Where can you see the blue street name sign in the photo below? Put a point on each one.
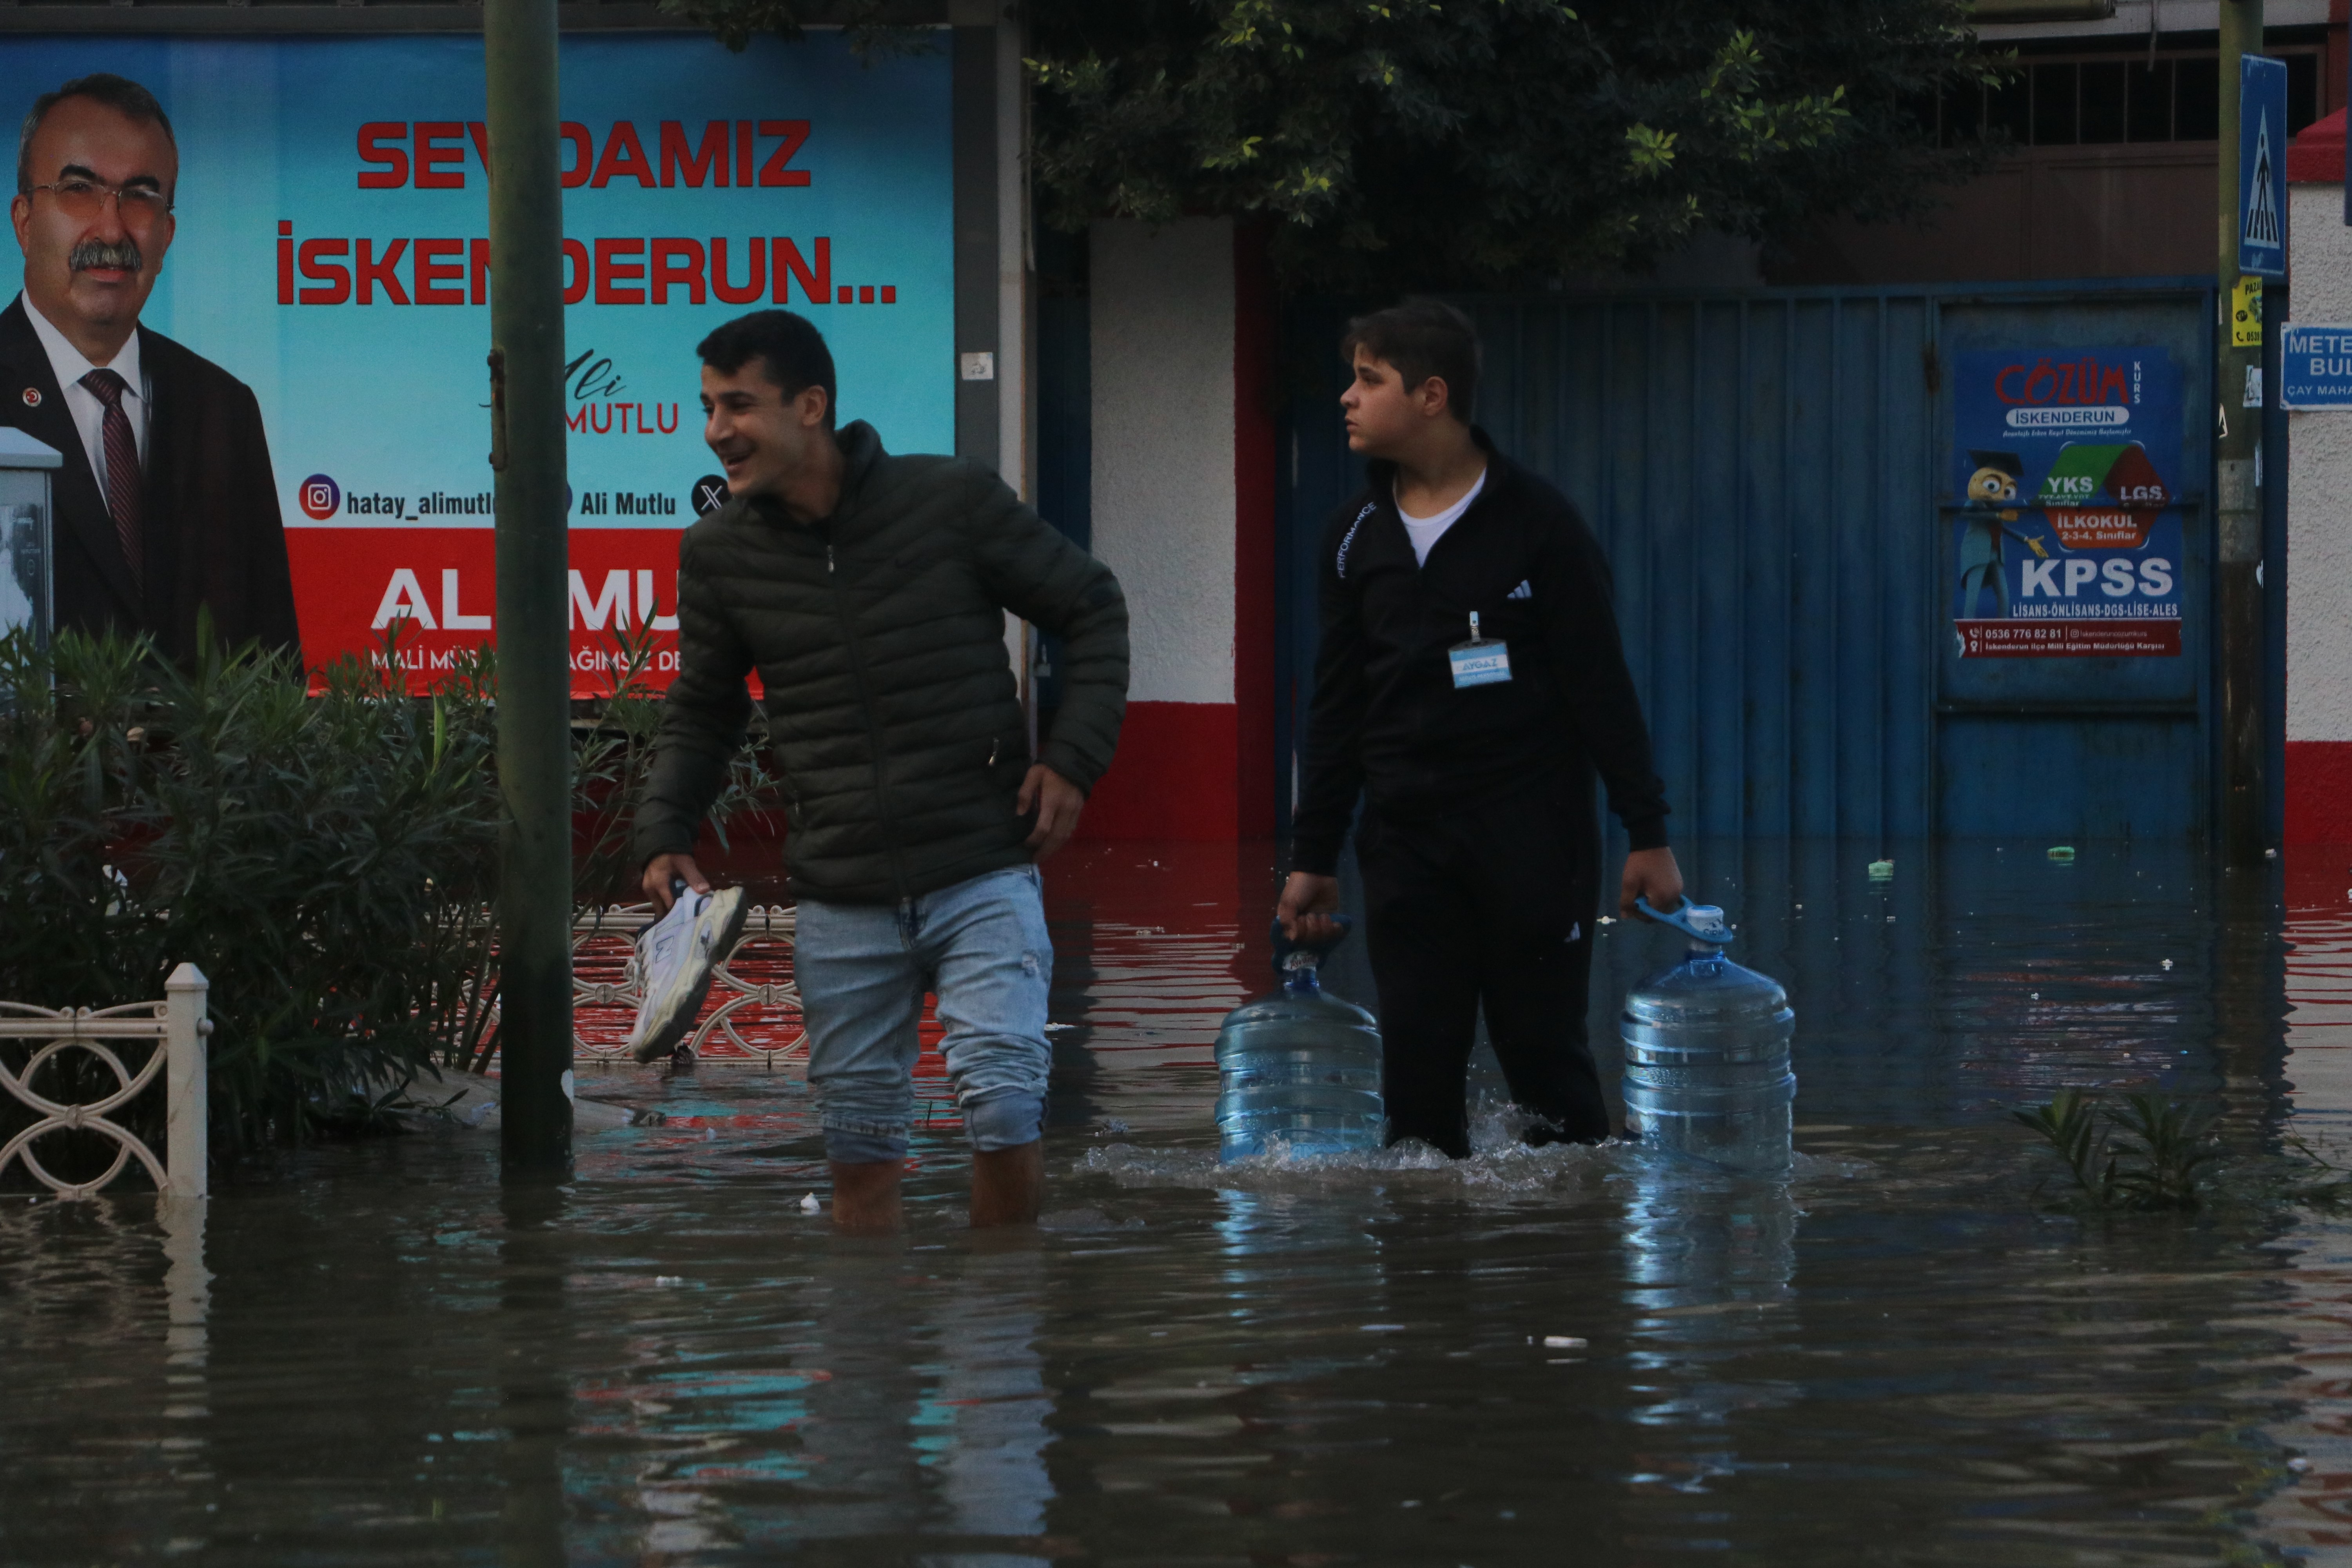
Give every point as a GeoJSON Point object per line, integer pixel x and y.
{"type": "Point", "coordinates": [2315, 365]}
{"type": "Point", "coordinates": [2262, 166]}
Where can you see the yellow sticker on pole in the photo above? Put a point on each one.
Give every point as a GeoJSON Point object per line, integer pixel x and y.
{"type": "Point", "coordinates": [2246, 313]}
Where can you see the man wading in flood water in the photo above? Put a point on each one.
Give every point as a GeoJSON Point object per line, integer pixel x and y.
{"type": "Point", "coordinates": [1469, 680]}
{"type": "Point", "coordinates": [869, 591]}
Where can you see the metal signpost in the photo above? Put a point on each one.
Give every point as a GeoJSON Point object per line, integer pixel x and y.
{"type": "Point", "coordinates": [534, 643]}
{"type": "Point", "coordinates": [2252, 213]}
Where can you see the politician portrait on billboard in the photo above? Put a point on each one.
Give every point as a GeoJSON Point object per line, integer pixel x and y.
{"type": "Point", "coordinates": [308, 217]}
{"type": "Point", "coordinates": [164, 506]}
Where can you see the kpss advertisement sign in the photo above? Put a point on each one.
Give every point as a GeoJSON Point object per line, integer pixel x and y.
{"type": "Point", "coordinates": [332, 253]}
{"type": "Point", "coordinates": [2068, 537]}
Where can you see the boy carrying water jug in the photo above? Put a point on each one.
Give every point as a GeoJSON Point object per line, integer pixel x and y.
{"type": "Point", "coordinates": [1469, 683]}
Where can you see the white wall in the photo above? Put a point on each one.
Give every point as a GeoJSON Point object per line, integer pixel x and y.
{"type": "Point", "coordinates": [2319, 488]}
{"type": "Point", "coordinates": [1160, 314]}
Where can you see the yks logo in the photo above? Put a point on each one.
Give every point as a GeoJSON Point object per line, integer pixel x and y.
{"type": "Point", "coordinates": [321, 497]}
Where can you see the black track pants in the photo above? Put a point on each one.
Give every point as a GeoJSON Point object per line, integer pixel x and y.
{"type": "Point", "coordinates": [1491, 904]}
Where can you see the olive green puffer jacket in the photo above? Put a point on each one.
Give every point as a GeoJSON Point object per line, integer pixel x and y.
{"type": "Point", "coordinates": [878, 636]}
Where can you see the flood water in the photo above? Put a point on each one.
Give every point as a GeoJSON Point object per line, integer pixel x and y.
{"type": "Point", "coordinates": [371, 1353]}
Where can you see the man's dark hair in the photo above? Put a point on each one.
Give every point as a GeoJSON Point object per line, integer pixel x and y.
{"type": "Point", "coordinates": [1421, 338]}
{"type": "Point", "coordinates": [119, 93]}
{"type": "Point", "coordinates": [795, 350]}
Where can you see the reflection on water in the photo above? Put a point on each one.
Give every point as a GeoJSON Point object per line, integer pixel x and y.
{"type": "Point", "coordinates": [373, 1353]}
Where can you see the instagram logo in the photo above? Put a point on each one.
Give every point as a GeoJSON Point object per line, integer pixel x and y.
{"type": "Point", "coordinates": [321, 497]}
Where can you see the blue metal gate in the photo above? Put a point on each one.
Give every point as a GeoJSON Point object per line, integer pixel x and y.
{"type": "Point", "coordinates": [1768, 473]}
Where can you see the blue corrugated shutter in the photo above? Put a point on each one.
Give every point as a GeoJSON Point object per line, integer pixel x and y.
{"type": "Point", "coordinates": [1765, 470]}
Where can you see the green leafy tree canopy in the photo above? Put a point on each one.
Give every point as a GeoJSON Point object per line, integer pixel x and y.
{"type": "Point", "coordinates": [1430, 143]}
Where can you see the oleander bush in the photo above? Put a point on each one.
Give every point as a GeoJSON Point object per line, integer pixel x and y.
{"type": "Point", "coordinates": [324, 850]}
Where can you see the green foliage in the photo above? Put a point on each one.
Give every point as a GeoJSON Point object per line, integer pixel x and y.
{"type": "Point", "coordinates": [2150, 1155]}
{"type": "Point", "coordinates": [323, 860]}
{"type": "Point", "coordinates": [329, 860]}
{"type": "Point", "coordinates": [1398, 144]}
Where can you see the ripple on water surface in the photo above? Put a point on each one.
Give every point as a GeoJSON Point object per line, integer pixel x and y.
{"type": "Point", "coordinates": [374, 1354]}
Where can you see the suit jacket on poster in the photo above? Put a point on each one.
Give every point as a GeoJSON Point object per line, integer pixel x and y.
{"type": "Point", "coordinates": [213, 535]}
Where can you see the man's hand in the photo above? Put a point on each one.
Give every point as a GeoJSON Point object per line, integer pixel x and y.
{"type": "Point", "coordinates": [1651, 874]}
{"type": "Point", "coordinates": [1056, 801]}
{"type": "Point", "coordinates": [662, 870]}
{"type": "Point", "coordinates": [1308, 902]}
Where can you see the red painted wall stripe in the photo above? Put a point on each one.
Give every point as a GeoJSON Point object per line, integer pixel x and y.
{"type": "Point", "coordinates": [2319, 792]}
{"type": "Point", "coordinates": [1172, 777]}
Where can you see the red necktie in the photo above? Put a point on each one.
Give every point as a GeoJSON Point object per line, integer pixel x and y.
{"type": "Point", "coordinates": [122, 478]}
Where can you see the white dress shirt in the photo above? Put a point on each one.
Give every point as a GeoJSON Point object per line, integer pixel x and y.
{"type": "Point", "coordinates": [88, 413]}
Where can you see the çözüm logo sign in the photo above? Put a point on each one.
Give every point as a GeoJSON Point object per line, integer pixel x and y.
{"type": "Point", "coordinates": [2065, 547]}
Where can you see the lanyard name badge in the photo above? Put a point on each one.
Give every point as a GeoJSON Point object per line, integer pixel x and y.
{"type": "Point", "coordinates": [1479, 662]}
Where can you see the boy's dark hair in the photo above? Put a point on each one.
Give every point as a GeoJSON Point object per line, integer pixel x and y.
{"type": "Point", "coordinates": [119, 93]}
{"type": "Point", "coordinates": [1423, 337]}
{"type": "Point", "coordinates": [794, 351]}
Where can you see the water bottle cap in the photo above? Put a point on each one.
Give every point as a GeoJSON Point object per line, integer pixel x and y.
{"type": "Point", "coordinates": [1703, 923]}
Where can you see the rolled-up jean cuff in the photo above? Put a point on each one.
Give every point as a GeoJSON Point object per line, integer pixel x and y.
{"type": "Point", "coordinates": [845, 1146]}
{"type": "Point", "coordinates": [1005, 1119]}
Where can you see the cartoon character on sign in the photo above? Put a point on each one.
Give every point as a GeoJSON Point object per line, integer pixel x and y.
{"type": "Point", "coordinates": [1990, 506]}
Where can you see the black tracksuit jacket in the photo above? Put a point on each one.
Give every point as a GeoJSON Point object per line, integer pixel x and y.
{"type": "Point", "coordinates": [1387, 719]}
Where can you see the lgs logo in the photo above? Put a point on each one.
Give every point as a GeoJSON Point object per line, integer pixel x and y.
{"type": "Point", "coordinates": [319, 497]}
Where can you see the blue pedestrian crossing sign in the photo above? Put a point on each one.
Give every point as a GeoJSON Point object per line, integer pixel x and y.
{"type": "Point", "coordinates": [2262, 166]}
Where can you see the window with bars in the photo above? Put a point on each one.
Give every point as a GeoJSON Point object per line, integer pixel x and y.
{"type": "Point", "coordinates": [2078, 103]}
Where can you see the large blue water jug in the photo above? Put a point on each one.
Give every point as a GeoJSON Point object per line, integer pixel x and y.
{"type": "Point", "coordinates": [1300, 1068]}
{"type": "Point", "coordinates": [1706, 1054]}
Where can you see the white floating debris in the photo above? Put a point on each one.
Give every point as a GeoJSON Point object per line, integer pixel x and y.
{"type": "Point", "coordinates": [1383, 1328]}
{"type": "Point", "coordinates": [809, 1203]}
{"type": "Point", "coordinates": [2034, 995]}
{"type": "Point", "coordinates": [2167, 963]}
{"type": "Point", "coordinates": [1881, 870]}
{"type": "Point", "coordinates": [1564, 1342]}
{"type": "Point", "coordinates": [667, 1279]}
{"type": "Point", "coordinates": [1058, 1028]}
{"type": "Point", "coordinates": [2298, 1464]}
{"type": "Point", "coordinates": [1608, 919]}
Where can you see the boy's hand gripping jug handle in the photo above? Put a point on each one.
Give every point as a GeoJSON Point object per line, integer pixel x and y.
{"type": "Point", "coordinates": [1295, 960]}
{"type": "Point", "coordinates": [1703, 923]}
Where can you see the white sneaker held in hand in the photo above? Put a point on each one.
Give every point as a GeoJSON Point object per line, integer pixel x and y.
{"type": "Point", "coordinates": [676, 955]}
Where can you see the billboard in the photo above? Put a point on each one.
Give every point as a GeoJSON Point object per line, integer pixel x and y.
{"type": "Point", "coordinates": [332, 253]}
{"type": "Point", "coordinates": [2067, 538]}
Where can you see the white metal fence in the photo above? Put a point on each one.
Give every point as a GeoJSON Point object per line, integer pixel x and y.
{"type": "Point", "coordinates": [756, 1017]}
{"type": "Point", "coordinates": [177, 1029]}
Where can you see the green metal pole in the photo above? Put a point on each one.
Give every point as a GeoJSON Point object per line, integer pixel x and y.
{"type": "Point", "coordinates": [2236, 510]}
{"type": "Point", "coordinates": [534, 676]}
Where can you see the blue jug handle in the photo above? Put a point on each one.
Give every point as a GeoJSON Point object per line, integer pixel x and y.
{"type": "Point", "coordinates": [1700, 922]}
{"type": "Point", "coordinates": [1284, 947]}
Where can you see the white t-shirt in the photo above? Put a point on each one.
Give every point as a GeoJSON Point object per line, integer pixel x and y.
{"type": "Point", "coordinates": [1426, 530]}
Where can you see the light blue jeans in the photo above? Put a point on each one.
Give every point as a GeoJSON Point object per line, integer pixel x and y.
{"type": "Point", "coordinates": [981, 947]}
